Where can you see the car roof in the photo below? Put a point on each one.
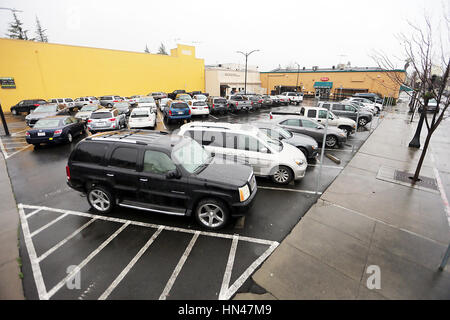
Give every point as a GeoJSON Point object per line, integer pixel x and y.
{"type": "Point", "coordinates": [233, 127]}
{"type": "Point", "coordinates": [57, 117]}
{"type": "Point", "coordinates": [104, 110]}
{"type": "Point", "coordinates": [141, 137]}
{"type": "Point", "coordinates": [178, 101]}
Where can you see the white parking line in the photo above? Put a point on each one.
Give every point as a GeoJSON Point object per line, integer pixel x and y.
{"type": "Point", "coordinates": [213, 117]}
{"type": "Point", "coordinates": [62, 242]}
{"type": "Point", "coordinates": [161, 121]}
{"type": "Point", "coordinates": [130, 265]}
{"type": "Point", "coordinates": [177, 270]}
{"type": "Point", "coordinates": [326, 166]}
{"type": "Point", "coordinates": [84, 262]}
{"type": "Point", "coordinates": [32, 213]}
{"type": "Point", "coordinates": [229, 268]}
{"type": "Point", "coordinates": [49, 224]}
{"type": "Point", "coordinates": [226, 292]}
{"type": "Point", "coordinates": [290, 190]}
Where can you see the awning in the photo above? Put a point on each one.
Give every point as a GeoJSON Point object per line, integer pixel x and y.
{"type": "Point", "coordinates": [319, 84]}
{"type": "Point", "coordinates": [405, 88]}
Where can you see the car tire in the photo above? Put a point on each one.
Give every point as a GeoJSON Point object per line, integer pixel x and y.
{"type": "Point", "coordinates": [109, 105]}
{"type": "Point", "coordinates": [282, 175]}
{"type": "Point", "coordinates": [362, 122]}
{"type": "Point", "coordinates": [212, 214]}
{"type": "Point", "coordinates": [101, 199]}
{"type": "Point", "coordinates": [69, 138]}
{"type": "Point", "coordinates": [331, 141]}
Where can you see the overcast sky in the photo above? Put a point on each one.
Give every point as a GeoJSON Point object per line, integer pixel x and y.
{"type": "Point", "coordinates": [322, 33]}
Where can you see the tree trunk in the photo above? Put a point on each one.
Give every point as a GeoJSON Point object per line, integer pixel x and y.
{"type": "Point", "coordinates": [422, 157]}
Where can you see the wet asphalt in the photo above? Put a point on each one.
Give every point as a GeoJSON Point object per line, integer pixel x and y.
{"type": "Point", "coordinates": [38, 178]}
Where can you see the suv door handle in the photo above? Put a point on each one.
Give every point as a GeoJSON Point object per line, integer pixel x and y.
{"type": "Point", "coordinates": [110, 174]}
{"type": "Point", "coordinates": [143, 179]}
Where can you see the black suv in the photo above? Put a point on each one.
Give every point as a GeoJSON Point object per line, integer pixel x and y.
{"type": "Point", "coordinates": [155, 171]}
{"type": "Point", "coordinates": [27, 106]}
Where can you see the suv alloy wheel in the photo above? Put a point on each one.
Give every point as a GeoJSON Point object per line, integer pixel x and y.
{"type": "Point", "coordinates": [100, 199]}
{"type": "Point", "coordinates": [331, 141]}
{"type": "Point", "coordinates": [362, 122]}
{"type": "Point", "coordinates": [212, 214]}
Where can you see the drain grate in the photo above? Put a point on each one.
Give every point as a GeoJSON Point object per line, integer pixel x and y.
{"type": "Point", "coordinates": [424, 182]}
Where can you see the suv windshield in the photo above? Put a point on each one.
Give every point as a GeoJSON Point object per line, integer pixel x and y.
{"type": "Point", "coordinates": [191, 155]}
{"type": "Point", "coordinates": [277, 145]}
{"type": "Point", "coordinates": [101, 115]}
{"type": "Point", "coordinates": [46, 108]}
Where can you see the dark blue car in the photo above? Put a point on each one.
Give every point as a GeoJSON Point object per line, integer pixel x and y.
{"type": "Point", "coordinates": [177, 110]}
{"type": "Point", "coordinates": [57, 129]}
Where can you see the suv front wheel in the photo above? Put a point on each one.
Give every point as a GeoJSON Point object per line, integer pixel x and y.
{"type": "Point", "coordinates": [212, 213]}
{"type": "Point", "coordinates": [101, 199]}
{"type": "Point", "coordinates": [282, 175]}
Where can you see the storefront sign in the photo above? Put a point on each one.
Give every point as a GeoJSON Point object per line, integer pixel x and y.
{"type": "Point", "coordinates": [324, 79]}
{"type": "Point", "coordinates": [7, 83]}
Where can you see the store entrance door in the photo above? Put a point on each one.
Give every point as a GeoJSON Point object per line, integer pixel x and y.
{"type": "Point", "coordinates": [323, 93]}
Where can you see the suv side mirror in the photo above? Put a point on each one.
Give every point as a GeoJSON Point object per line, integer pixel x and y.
{"type": "Point", "coordinates": [174, 174]}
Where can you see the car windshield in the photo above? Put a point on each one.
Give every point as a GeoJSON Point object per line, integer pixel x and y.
{"type": "Point", "coordinates": [147, 100]}
{"type": "Point", "coordinates": [275, 144]}
{"type": "Point", "coordinates": [47, 123]}
{"type": "Point", "coordinates": [88, 108]}
{"type": "Point", "coordinates": [101, 115]}
{"type": "Point", "coordinates": [191, 155]}
{"type": "Point", "coordinates": [185, 97]}
{"type": "Point", "coordinates": [46, 108]}
{"type": "Point", "coordinates": [164, 101]}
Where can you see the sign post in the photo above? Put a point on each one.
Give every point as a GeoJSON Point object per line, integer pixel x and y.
{"type": "Point", "coordinates": [5, 125]}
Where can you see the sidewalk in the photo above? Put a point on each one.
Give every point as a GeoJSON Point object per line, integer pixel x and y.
{"type": "Point", "coordinates": [361, 221]}
{"type": "Point", "coordinates": [10, 283]}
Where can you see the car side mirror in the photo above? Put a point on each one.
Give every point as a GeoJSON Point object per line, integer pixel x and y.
{"type": "Point", "coordinates": [173, 174]}
{"type": "Point", "coordinates": [319, 127]}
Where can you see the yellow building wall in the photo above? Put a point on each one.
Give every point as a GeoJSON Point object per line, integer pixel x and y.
{"type": "Point", "coordinates": [377, 82]}
{"type": "Point", "coordinates": [45, 70]}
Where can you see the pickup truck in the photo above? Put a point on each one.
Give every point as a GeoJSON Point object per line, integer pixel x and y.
{"type": "Point", "coordinates": [293, 97]}
{"type": "Point", "coordinates": [320, 115]}
{"type": "Point", "coordinates": [238, 102]}
{"type": "Point", "coordinates": [174, 94]}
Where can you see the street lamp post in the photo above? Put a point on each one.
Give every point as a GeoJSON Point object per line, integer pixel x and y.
{"type": "Point", "coordinates": [246, 57]}
{"type": "Point", "coordinates": [298, 72]}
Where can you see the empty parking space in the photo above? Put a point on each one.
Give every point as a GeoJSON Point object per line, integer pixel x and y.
{"type": "Point", "coordinates": [102, 257]}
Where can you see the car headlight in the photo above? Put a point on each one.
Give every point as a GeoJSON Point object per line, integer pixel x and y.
{"type": "Point", "coordinates": [299, 162]}
{"type": "Point", "coordinates": [244, 193]}
{"type": "Point", "coordinates": [343, 134]}
{"type": "Point", "coordinates": [314, 147]}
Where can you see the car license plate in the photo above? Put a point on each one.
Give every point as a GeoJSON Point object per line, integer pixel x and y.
{"type": "Point", "coordinates": [100, 124]}
{"type": "Point", "coordinates": [201, 108]}
{"type": "Point", "coordinates": [180, 112]}
{"type": "Point", "coordinates": [41, 134]}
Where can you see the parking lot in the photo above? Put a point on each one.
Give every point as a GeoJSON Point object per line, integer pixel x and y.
{"type": "Point", "coordinates": [70, 253]}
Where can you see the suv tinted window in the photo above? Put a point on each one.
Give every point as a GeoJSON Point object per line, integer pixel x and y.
{"type": "Point", "coordinates": [101, 115]}
{"type": "Point", "coordinates": [322, 114]}
{"type": "Point", "coordinates": [308, 124]}
{"type": "Point", "coordinates": [326, 106]}
{"type": "Point", "coordinates": [338, 107]}
{"type": "Point", "coordinates": [292, 122]}
{"type": "Point", "coordinates": [220, 101]}
{"type": "Point", "coordinates": [90, 152]}
{"type": "Point", "coordinates": [105, 98]}
{"type": "Point", "coordinates": [179, 105]}
{"type": "Point", "coordinates": [312, 113]}
{"type": "Point", "coordinates": [157, 162]}
{"type": "Point", "coordinates": [123, 157]}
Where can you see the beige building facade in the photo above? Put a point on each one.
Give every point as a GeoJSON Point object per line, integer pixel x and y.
{"type": "Point", "coordinates": [222, 79]}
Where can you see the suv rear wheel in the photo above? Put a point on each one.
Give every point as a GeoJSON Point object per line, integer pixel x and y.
{"type": "Point", "coordinates": [212, 213]}
{"type": "Point", "coordinates": [331, 141]}
{"type": "Point", "coordinates": [282, 175]}
{"type": "Point", "coordinates": [362, 122]}
{"type": "Point", "coordinates": [101, 199]}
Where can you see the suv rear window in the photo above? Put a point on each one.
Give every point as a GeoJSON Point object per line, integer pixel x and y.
{"type": "Point", "coordinates": [179, 105]}
{"type": "Point", "coordinates": [101, 115]}
{"type": "Point", "coordinates": [90, 152]}
{"type": "Point", "coordinates": [220, 101]}
{"type": "Point", "coordinates": [105, 98]}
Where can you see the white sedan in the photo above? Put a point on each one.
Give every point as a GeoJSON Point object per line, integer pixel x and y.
{"type": "Point", "coordinates": [142, 118]}
{"type": "Point", "coordinates": [146, 101]}
{"type": "Point", "coordinates": [198, 108]}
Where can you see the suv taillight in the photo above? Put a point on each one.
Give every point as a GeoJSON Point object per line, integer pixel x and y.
{"type": "Point", "coordinates": [27, 134]}
{"type": "Point", "coordinates": [213, 106]}
{"type": "Point", "coordinates": [89, 120]}
{"type": "Point", "coordinates": [112, 119]}
{"type": "Point", "coordinates": [237, 103]}
{"type": "Point", "coordinates": [57, 131]}
{"type": "Point", "coordinates": [36, 104]}
{"type": "Point", "coordinates": [68, 172]}
{"type": "Point", "coordinates": [170, 112]}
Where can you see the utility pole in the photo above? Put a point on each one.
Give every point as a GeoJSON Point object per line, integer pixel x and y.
{"type": "Point", "coordinates": [246, 58]}
{"type": "Point", "coordinates": [298, 72]}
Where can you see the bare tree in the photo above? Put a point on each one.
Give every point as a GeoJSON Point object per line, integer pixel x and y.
{"type": "Point", "coordinates": [162, 49]}
{"type": "Point", "coordinates": [430, 63]}
{"type": "Point", "coordinates": [15, 29]}
{"type": "Point", "coordinates": [40, 32]}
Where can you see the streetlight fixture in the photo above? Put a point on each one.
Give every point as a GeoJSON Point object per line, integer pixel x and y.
{"type": "Point", "coordinates": [246, 57]}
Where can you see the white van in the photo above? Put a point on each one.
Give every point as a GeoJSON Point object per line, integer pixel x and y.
{"type": "Point", "coordinates": [246, 143]}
